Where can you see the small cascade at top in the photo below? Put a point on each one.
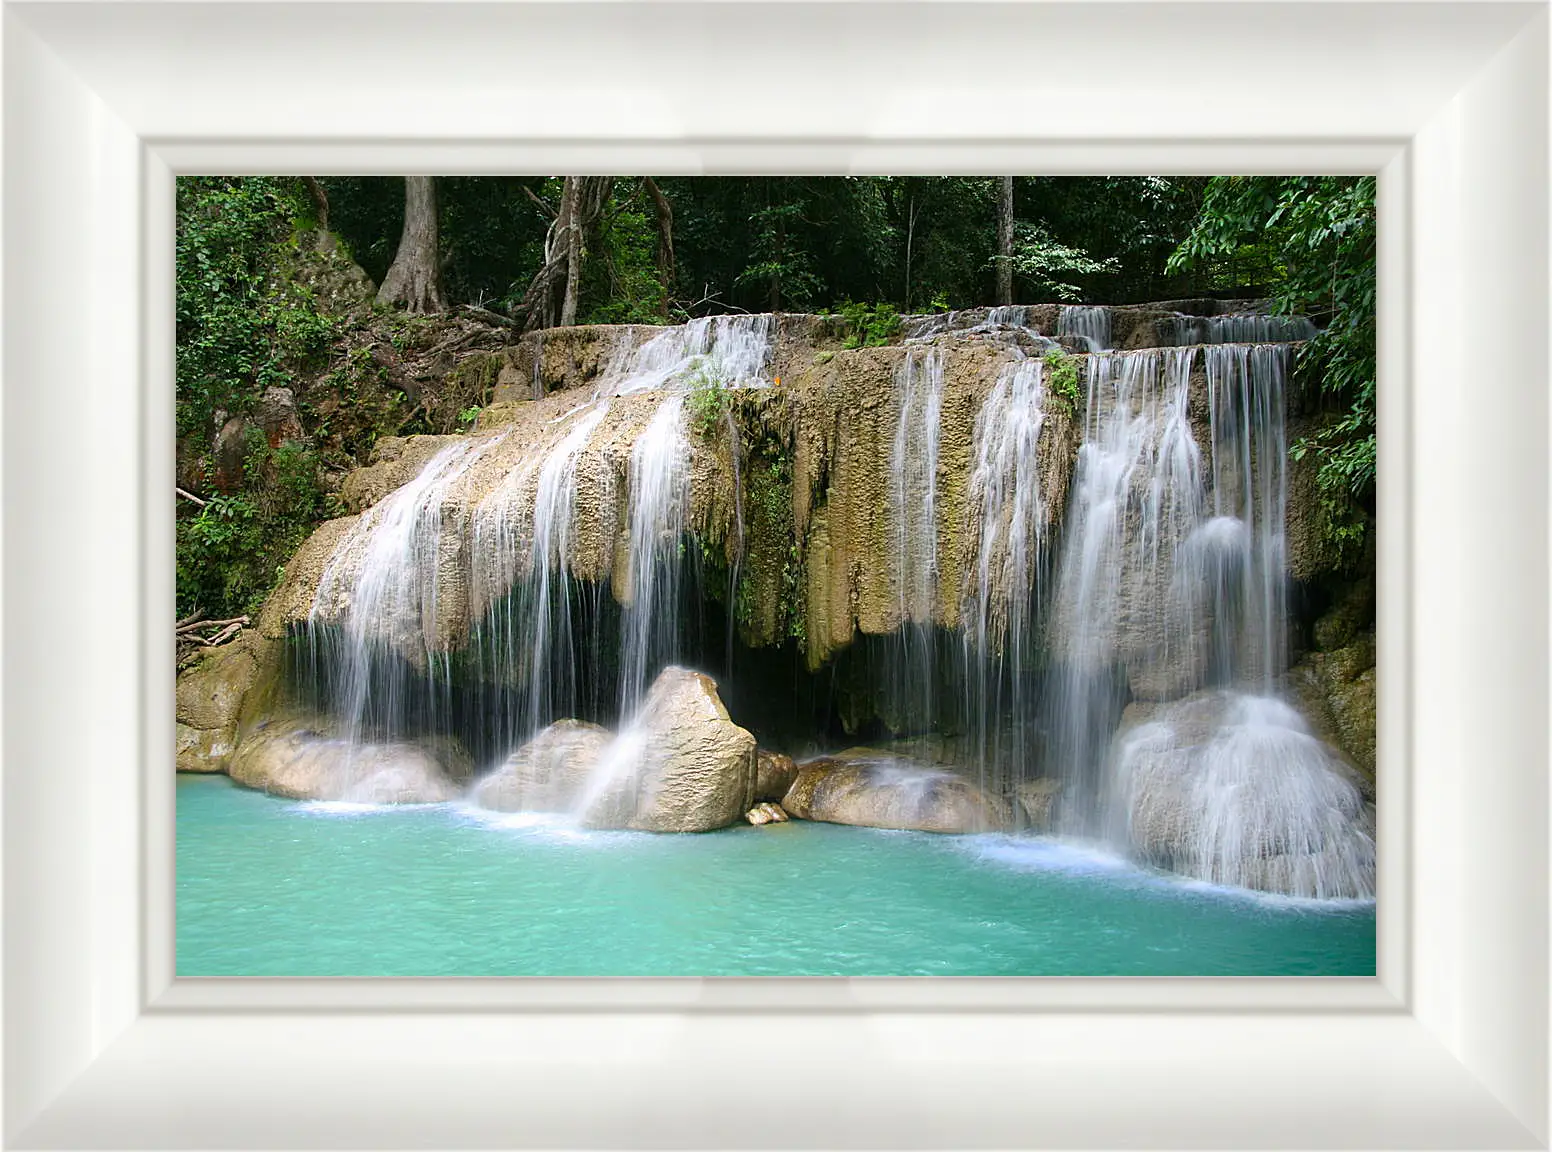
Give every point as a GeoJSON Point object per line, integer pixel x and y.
{"type": "Point", "coordinates": [1242, 328]}
{"type": "Point", "coordinates": [1089, 324]}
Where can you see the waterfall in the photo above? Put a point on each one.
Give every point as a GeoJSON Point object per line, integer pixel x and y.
{"type": "Point", "coordinates": [913, 500]}
{"type": "Point", "coordinates": [732, 349]}
{"type": "Point", "coordinates": [382, 588]}
{"type": "Point", "coordinates": [1246, 397]}
{"type": "Point", "coordinates": [1241, 328]}
{"type": "Point", "coordinates": [914, 480]}
{"type": "Point", "coordinates": [658, 495]}
{"type": "Point", "coordinates": [384, 665]}
{"type": "Point", "coordinates": [1088, 323]}
{"type": "Point", "coordinates": [1009, 514]}
{"type": "Point", "coordinates": [526, 639]}
{"type": "Point", "coordinates": [1136, 492]}
{"type": "Point", "coordinates": [1234, 789]}
{"type": "Point", "coordinates": [1172, 581]}
{"type": "Point", "coordinates": [729, 352]}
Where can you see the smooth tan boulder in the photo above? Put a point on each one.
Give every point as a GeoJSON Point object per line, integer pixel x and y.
{"type": "Point", "coordinates": [209, 699]}
{"type": "Point", "coordinates": [549, 773]}
{"type": "Point", "coordinates": [292, 759]}
{"type": "Point", "coordinates": [681, 765]}
{"type": "Point", "coordinates": [204, 749]}
{"type": "Point", "coordinates": [880, 791]}
{"type": "Point", "coordinates": [774, 774]}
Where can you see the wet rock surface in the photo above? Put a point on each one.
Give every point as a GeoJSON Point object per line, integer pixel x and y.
{"type": "Point", "coordinates": [877, 790]}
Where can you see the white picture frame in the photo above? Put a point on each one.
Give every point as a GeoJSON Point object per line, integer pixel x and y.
{"type": "Point", "coordinates": [104, 102]}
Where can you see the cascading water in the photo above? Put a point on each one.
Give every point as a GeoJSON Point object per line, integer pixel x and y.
{"type": "Point", "coordinates": [381, 589]}
{"type": "Point", "coordinates": [1234, 789]}
{"type": "Point", "coordinates": [525, 639]}
{"type": "Point", "coordinates": [1009, 512]}
{"type": "Point", "coordinates": [1173, 579]}
{"type": "Point", "coordinates": [913, 514]}
{"type": "Point", "coordinates": [658, 494]}
{"type": "Point", "coordinates": [1136, 493]}
{"type": "Point", "coordinates": [385, 657]}
{"type": "Point", "coordinates": [1091, 324]}
{"type": "Point", "coordinates": [1242, 328]}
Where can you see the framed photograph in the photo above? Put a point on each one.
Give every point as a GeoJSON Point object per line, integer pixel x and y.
{"type": "Point", "coordinates": [410, 658]}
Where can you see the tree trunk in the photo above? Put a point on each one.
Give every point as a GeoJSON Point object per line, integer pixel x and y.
{"type": "Point", "coordinates": [415, 278]}
{"type": "Point", "coordinates": [320, 200]}
{"type": "Point", "coordinates": [571, 212]}
{"type": "Point", "coordinates": [1005, 242]}
{"type": "Point", "coordinates": [553, 293]}
{"type": "Point", "coordinates": [665, 241]}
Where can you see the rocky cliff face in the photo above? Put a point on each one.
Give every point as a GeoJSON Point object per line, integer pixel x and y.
{"type": "Point", "coordinates": [815, 467]}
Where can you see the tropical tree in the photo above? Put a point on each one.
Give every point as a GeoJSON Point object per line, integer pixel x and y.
{"type": "Point", "coordinates": [414, 279]}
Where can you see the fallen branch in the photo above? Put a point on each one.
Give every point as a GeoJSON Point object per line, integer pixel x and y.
{"type": "Point", "coordinates": [199, 614]}
{"type": "Point", "coordinates": [190, 496]}
{"type": "Point", "coordinates": [225, 634]}
{"type": "Point", "coordinates": [488, 316]}
{"type": "Point", "coordinates": [194, 622]}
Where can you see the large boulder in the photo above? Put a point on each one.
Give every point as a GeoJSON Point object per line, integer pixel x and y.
{"type": "Point", "coordinates": [549, 773]}
{"type": "Point", "coordinates": [681, 765]}
{"type": "Point", "coordinates": [1236, 790]}
{"type": "Point", "coordinates": [877, 790]}
{"type": "Point", "coordinates": [204, 749]}
{"type": "Point", "coordinates": [209, 699]}
{"type": "Point", "coordinates": [293, 759]}
{"type": "Point", "coordinates": [774, 774]}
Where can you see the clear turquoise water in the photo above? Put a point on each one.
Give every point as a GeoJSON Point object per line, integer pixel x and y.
{"type": "Point", "coordinates": [270, 887]}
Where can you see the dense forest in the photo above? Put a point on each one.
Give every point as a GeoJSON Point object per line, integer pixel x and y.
{"type": "Point", "coordinates": [316, 315]}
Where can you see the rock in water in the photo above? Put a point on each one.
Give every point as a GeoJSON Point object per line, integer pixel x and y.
{"type": "Point", "coordinates": [289, 759]}
{"type": "Point", "coordinates": [549, 773]}
{"type": "Point", "coordinates": [1036, 801]}
{"type": "Point", "coordinates": [210, 698]}
{"type": "Point", "coordinates": [1234, 789]}
{"type": "Point", "coordinates": [767, 813]}
{"type": "Point", "coordinates": [682, 765]}
{"type": "Point", "coordinates": [774, 775]}
{"type": "Point", "coordinates": [882, 791]}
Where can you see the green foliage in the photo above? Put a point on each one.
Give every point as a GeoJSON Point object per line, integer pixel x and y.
{"type": "Point", "coordinates": [707, 399]}
{"type": "Point", "coordinates": [1046, 266]}
{"type": "Point", "coordinates": [231, 553]}
{"type": "Point", "coordinates": [775, 564]}
{"type": "Point", "coordinates": [468, 416]}
{"type": "Point", "coordinates": [621, 285]}
{"type": "Point", "coordinates": [1061, 378]}
{"type": "Point", "coordinates": [242, 327]}
{"type": "Point", "coordinates": [1316, 237]}
{"type": "Point", "coordinates": [238, 331]}
{"type": "Point", "coordinates": [871, 325]}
